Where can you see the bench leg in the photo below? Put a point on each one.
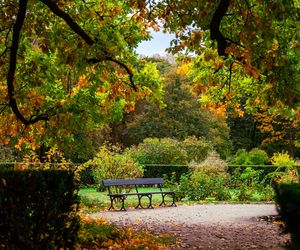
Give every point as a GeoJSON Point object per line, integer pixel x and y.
{"type": "Point", "coordinates": [122, 198]}
{"type": "Point", "coordinates": [163, 202]}
{"type": "Point", "coordinates": [111, 203]}
{"type": "Point", "coordinates": [150, 201]}
{"type": "Point", "coordinates": [140, 196]}
{"type": "Point", "coordinates": [173, 201]}
{"type": "Point", "coordinates": [123, 205]}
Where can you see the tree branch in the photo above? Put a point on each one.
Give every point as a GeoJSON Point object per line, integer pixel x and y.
{"type": "Point", "coordinates": [78, 30]}
{"type": "Point", "coordinates": [17, 27]}
{"type": "Point", "coordinates": [215, 33]}
{"type": "Point", "coordinates": [72, 24]}
{"type": "Point", "coordinates": [123, 65]}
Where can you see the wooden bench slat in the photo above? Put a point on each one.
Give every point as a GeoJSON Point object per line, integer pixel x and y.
{"type": "Point", "coordinates": [143, 193]}
{"type": "Point", "coordinates": [137, 181]}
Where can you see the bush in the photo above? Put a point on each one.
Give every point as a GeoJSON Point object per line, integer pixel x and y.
{"type": "Point", "coordinates": [254, 157]}
{"type": "Point", "coordinates": [208, 179]}
{"type": "Point", "coordinates": [213, 165]}
{"type": "Point", "coordinates": [286, 171]}
{"type": "Point", "coordinates": [282, 159]}
{"type": "Point", "coordinates": [288, 200]}
{"type": "Point", "coordinates": [258, 157]}
{"type": "Point", "coordinates": [197, 149]}
{"type": "Point", "coordinates": [203, 186]}
{"type": "Point", "coordinates": [159, 151]}
{"type": "Point", "coordinates": [38, 210]}
{"type": "Point", "coordinates": [110, 163]}
{"type": "Point", "coordinates": [170, 151]}
{"type": "Point", "coordinates": [152, 171]}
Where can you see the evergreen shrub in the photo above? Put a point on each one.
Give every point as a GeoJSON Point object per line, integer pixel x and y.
{"type": "Point", "coordinates": [254, 157]}
{"type": "Point", "coordinates": [38, 209]}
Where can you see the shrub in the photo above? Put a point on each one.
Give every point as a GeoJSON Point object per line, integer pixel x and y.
{"type": "Point", "coordinates": [258, 157]}
{"type": "Point", "coordinates": [250, 176]}
{"type": "Point", "coordinates": [213, 165]}
{"type": "Point", "coordinates": [52, 159]}
{"type": "Point", "coordinates": [208, 179]}
{"type": "Point", "coordinates": [282, 159]}
{"type": "Point", "coordinates": [254, 157]}
{"type": "Point", "coordinates": [286, 172]}
{"type": "Point", "coordinates": [153, 170]}
{"type": "Point", "coordinates": [197, 149]}
{"type": "Point", "coordinates": [159, 151]}
{"type": "Point", "coordinates": [241, 158]}
{"type": "Point", "coordinates": [203, 186]}
{"type": "Point", "coordinates": [110, 163]}
{"type": "Point", "coordinates": [38, 209]}
{"type": "Point", "coordinates": [288, 200]}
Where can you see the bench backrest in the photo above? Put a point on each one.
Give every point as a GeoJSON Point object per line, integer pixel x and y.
{"type": "Point", "coordinates": [136, 181]}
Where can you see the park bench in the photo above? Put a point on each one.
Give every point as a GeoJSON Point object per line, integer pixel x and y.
{"type": "Point", "coordinates": [132, 187]}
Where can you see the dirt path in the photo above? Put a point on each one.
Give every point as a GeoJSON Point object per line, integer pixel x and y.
{"type": "Point", "coordinates": [222, 226]}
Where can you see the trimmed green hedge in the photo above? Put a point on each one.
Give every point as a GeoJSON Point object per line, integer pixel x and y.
{"type": "Point", "coordinates": [38, 210]}
{"type": "Point", "coordinates": [288, 199]}
{"type": "Point", "coordinates": [159, 170]}
{"type": "Point", "coordinates": [6, 165]}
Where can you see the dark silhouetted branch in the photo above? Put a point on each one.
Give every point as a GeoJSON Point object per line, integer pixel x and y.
{"type": "Point", "coordinates": [72, 24]}
{"type": "Point", "coordinates": [17, 27]}
{"type": "Point", "coordinates": [215, 33]}
{"type": "Point", "coordinates": [123, 65]}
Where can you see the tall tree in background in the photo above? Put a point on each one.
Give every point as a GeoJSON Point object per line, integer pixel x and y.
{"type": "Point", "coordinates": [181, 116]}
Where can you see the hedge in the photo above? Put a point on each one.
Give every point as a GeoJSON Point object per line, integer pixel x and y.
{"type": "Point", "coordinates": [6, 165]}
{"type": "Point", "coordinates": [288, 200]}
{"type": "Point", "coordinates": [38, 209]}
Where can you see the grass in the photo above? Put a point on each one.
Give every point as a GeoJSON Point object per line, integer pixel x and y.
{"type": "Point", "coordinates": [93, 201]}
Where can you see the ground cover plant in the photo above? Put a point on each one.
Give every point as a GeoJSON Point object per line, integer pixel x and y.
{"type": "Point", "coordinates": [100, 234]}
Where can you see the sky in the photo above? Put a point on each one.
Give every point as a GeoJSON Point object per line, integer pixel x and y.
{"type": "Point", "coordinates": [156, 45]}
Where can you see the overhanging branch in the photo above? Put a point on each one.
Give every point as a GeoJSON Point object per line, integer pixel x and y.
{"type": "Point", "coordinates": [123, 65]}
{"type": "Point", "coordinates": [17, 27]}
{"type": "Point", "coordinates": [79, 31]}
{"type": "Point", "coordinates": [72, 24]}
{"type": "Point", "coordinates": [215, 33]}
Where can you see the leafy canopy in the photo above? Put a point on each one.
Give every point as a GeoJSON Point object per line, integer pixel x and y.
{"type": "Point", "coordinates": [68, 66]}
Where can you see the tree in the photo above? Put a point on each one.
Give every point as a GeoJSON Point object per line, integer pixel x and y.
{"type": "Point", "coordinates": [181, 116]}
{"type": "Point", "coordinates": [68, 66]}
{"type": "Point", "coordinates": [61, 58]}
{"type": "Point", "coordinates": [246, 51]}
{"type": "Point", "coordinates": [280, 129]}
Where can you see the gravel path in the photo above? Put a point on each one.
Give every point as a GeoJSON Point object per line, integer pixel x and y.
{"type": "Point", "coordinates": [221, 226]}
